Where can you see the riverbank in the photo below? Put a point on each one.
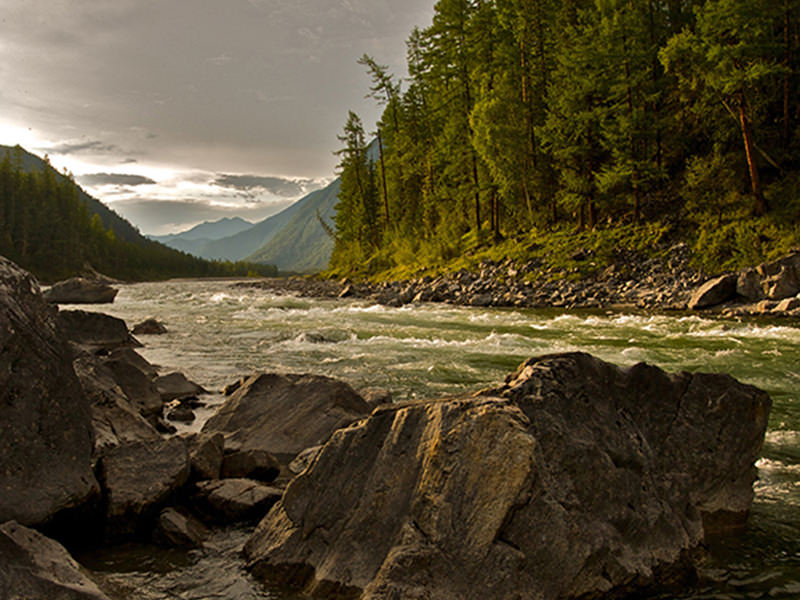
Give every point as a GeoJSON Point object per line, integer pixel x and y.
{"type": "Point", "coordinates": [663, 283]}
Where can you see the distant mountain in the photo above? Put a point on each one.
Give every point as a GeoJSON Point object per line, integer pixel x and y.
{"type": "Point", "coordinates": [294, 236]}
{"type": "Point", "coordinates": [302, 245]}
{"type": "Point", "coordinates": [208, 230]}
{"type": "Point", "coordinates": [111, 220]}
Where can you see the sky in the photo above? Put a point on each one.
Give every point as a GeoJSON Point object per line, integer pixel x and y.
{"type": "Point", "coordinates": [174, 112]}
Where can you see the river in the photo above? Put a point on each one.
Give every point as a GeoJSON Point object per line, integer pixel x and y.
{"type": "Point", "coordinates": [218, 332]}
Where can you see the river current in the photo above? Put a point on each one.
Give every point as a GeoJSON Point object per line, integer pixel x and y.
{"type": "Point", "coordinates": [219, 332]}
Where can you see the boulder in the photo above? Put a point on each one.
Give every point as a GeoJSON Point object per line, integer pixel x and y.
{"type": "Point", "coordinates": [175, 386]}
{"type": "Point", "coordinates": [285, 414]}
{"type": "Point", "coordinates": [784, 284]}
{"type": "Point", "coordinates": [748, 285]}
{"type": "Point", "coordinates": [250, 463]}
{"type": "Point", "coordinates": [138, 480]}
{"type": "Point", "coordinates": [45, 421]}
{"type": "Point", "coordinates": [149, 327]}
{"type": "Point", "coordinates": [574, 479]}
{"type": "Point", "coordinates": [177, 529]}
{"type": "Point", "coordinates": [133, 358]}
{"type": "Point", "coordinates": [205, 455]}
{"type": "Point", "coordinates": [80, 291]}
{"type": "Point", "coordinates": [181, 414]}
{"type": "Point", "coordinates": [95, 331]}
{"type": "Point", "coordinates": [115, 419]}
{"type": "Point", "coordinates": [233, 500]}
{"type": "Point", "coordinates": [714, 292]}
{"type": "Point", "coordinates": [136, 385]}
{"type": "Point", "coordinates": [33, 566]}
{"type": "Point", "coordinates": [375, 396]}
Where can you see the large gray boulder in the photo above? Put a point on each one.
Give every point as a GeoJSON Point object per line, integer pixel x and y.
{"type": "Point", "coordinates": [45, 423]}
{"type": "Point", "coordinates": [92, 331]}
{"type": "Point", "coordinates": [79, 290]}
{"type": "Point", "coordinates": [285, 414]}
{"type": "Point", "coordinates": [575, 479]}
{"type": "Point", "coordinates": [34, 567]}
{"type": "Point", "coordinates": [716, 291]}
{"type": "Point", "coordinates": [138, 480]}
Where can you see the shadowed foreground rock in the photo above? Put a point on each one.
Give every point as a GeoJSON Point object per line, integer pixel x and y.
{"type": "Point", "coordinates": [45, 424]}
{"type": "Point", "coordinates": [285, 414]}
{"type": "Point", "coordinates": [574, 479]}
{"type": "Point", "coordinates": [33, 567]}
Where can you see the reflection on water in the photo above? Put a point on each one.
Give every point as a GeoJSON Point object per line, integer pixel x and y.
{"type": "Point", "coordinates": [218, 332]}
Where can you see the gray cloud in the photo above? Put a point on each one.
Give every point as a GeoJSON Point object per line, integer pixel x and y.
{"type": "Point", "coordinates": [159, 217]}
{"type": "Point", "coordinates": [287, 188]}
{"type": "Point", "coordinates": [93, 146]}
{"type": "Point", "coordinates": [114, 179]}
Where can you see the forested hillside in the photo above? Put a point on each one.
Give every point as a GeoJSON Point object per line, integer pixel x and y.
{"type": "Point", "coordinates": [47, 227]}
{"type": "Point", "coordinates": [526, 117]}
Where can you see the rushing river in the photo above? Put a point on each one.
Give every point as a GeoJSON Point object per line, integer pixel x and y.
{"type": "Point", "coordinates": [218, 332]}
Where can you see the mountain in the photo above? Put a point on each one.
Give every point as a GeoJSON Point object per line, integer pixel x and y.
{"type": "Point", "coordinates": [294, 236]}
{"type": "Point", "coordinates": [122, 229]}
{"type": "Point", "coordinates": [302, 245]}
{"type": "Point", "coordinates": [195, 240]}
{"type": "Point", "coordinates": [51, 227]}
{"type": "Point", "coordinates": [208, 230]}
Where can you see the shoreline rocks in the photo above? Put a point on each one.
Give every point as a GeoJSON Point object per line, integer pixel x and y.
{"type": "Point", "coordinates": [574, 479]}
{"type": "Point", "coordinates": [80, 290]}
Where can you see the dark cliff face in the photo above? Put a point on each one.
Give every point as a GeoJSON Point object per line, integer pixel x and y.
{"type": "Point", "coordinates": [45, 424]}
{"type": "Point", "coordinates": [575, 478]}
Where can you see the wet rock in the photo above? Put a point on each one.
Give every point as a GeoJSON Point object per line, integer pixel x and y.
{"type": "Point", "coordinates": [149, 327]}
{"type": "Point", "coordinates": [250, 463]}
{"type": "Point", "coordinates": [80, 291]}
{"type": "Point", "coordinates": [138, 480]}
{"type": "Point", "coordinates": [285, 414]}
{"type": "Point", "coordinates": [205, 455]}
{"type": "Point", "coordinates": [178, 529]}
{"type": "Point", "coordinates": [574, 479]}
{"type": "Point", "coordinates": [33, 566]}
{"type": "Point", "coordinates": [45, 420]}
{"type": "Point", "coordinates": [175, 386]}
{"type": "Point", "coordinates": [233, 500]}
{"type": "Point", "coordinates": [95, 331]}
{"type": "Point", "coordinates": [714, 292]}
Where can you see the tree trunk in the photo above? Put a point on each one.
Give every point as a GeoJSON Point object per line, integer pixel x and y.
{"type": "Point", "coordinates": [760, 207]}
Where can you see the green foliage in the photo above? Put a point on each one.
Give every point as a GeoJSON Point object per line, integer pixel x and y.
{"type": "Point", "coordinates": [47, 228]}
{"type": "Point", "coordinates": [585, 117]}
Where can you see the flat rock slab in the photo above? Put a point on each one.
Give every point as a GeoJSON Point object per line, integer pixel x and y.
{"type": "Point", "coordinates": [45, 420]}
{"type": "Point", "coordinates": [80, 291]}
{"type": "Point", "coordinates": [285, 414]}
{"type": "Point", "coordinates": [574, 479]}
{"type": "Point", "coordinates": [232, 500]}
{"type": "Point", "coordinates": [175, 386]}
{"type": "Point", "coordinates": [95, 331]}
{"type": "Point", "coordinates": [138, 479]}
{"type": "Point", "coordinates": [33, 566]}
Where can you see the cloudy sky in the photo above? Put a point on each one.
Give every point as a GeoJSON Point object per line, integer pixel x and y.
{"type": "Point", "coordinates": [178, 111]}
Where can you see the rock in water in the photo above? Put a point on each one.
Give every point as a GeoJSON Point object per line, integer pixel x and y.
{"type": "Point", "coordinates": [285, 414]}
{"type": "Point", "coordinates": [575, 479]}
{"type": "Point", "coordinates": [45, 423]}
{"type": "Point", "coordinates": [714, 292]}
{"type": "Point", "coordinates": [80, 291]}
{"type": "Point", "coordinates": [33, 566]}
{"type": "Point", "coordinates": [138, 479]}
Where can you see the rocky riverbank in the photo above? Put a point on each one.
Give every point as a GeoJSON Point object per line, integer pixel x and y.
{"type": "Point", "coordinates": [357, 496]}
{"type": "Point", "coordinates": [656, 284]}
